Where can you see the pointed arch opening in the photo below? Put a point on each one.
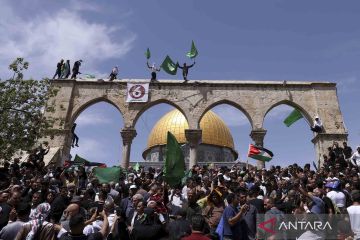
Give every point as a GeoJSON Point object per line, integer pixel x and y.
{"type": "Point", "coordinates": [286, 142]}
{"type": "Point", "coordinates": [151, 126]}
{"type": "Point", "coordinates": [98, 127]}
{"type": "Point", "coordinates": [293, 105]}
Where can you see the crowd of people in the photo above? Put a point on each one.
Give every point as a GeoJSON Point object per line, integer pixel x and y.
{"type": "Point", "coordinates": [212, 202]}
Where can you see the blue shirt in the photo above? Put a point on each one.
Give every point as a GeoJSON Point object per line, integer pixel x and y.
{"type": "Point", "coordinates": [239, 231]}
{"type": "Point", "coordinates": [318, 205]}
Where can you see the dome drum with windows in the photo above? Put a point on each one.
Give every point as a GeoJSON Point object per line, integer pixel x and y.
{"type": "Point", "coordinates": [217, 144]}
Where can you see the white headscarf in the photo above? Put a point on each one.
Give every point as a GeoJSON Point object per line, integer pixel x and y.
{"type": "Point", "coordinates": [37, 219]}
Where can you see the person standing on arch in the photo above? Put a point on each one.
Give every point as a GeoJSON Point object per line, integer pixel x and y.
{"type": "Point", "coordinates": [65, 73]}
{"type": "Point", "coordinates": [153, 70]}
{"type": "Point", "coordinates": [185, 70]}
{"type": "Point", "coordinates": [58, 69]}
{"type": "Point", "coordinates": [75, 138]}
{"type": "Point", "coordinates": [76, 68]}
{"type": "Point", "coordinates": [113, 74]}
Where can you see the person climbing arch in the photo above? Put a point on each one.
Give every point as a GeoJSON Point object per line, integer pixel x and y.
{"type": "Point", "coordinates": [318, 126]}
{"type": "Point", "coordinates": [75, 138]}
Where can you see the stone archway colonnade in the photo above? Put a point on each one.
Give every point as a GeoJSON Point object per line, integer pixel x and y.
{"type": "Point", "coordinates": [254, 98]}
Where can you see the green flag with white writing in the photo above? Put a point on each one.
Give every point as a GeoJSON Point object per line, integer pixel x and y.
{"type": "Point", "coordinates": [169, 66]}
{"type": "Point", "coordinates": [174, 170]}
{"type": "Point", "coordinates": [147, 53]}
{"type": "Point", "coordinates": [293, 117]}
{"type": "Point", "coordinates": [193, 51]}
{"type": "Point", "coordinates": [105, 175]}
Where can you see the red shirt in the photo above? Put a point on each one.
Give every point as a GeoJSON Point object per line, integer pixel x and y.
{"type": "Point", "coordinates": [160, 207]}
{"type": "Point", "coordinates": [196, 236]}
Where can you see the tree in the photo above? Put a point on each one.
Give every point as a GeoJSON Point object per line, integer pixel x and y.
{"type": "Point", "coordinates": [22, 107]}
{"type": "Point", "coordinates": [18, 65]}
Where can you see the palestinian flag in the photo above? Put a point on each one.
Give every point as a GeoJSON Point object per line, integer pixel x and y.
{"type": "Point", "coordinates": [260, 153]}
{"type": "Point", "coordinates": [81, 162]}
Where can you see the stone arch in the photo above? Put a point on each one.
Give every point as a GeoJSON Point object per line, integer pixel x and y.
{"type": "Point", "coordinates": [231, 103]}
{"type": "Point", "coordinates": [154, 103]}
{"type": "Point", "coordinates": [77, 111]}
{"type": "Point", "coordinates": [304, 112]}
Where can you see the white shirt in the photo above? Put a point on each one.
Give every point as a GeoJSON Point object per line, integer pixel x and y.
{"type": "Point", "coordinates": [317, 123]}
{"type": "Point", "coordinates": [176, 200]}
{"type": "Point", "coordinates": [338, 198]}
{"type": "Point", "coordinates": [115, 70]}
{"type": "Point", "coordinates": [97, 225]}
{"type": "Point", "coordinates": [354, 214]}
{"type": "Point", "coordinates": [356, 157]}
{"type": "Point", "coordinates": [184, 192]}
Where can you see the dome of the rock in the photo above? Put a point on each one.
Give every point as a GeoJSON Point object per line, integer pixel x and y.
{"type": "Point", "coordinates": [217, 144]}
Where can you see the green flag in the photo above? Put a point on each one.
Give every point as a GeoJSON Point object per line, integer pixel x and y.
{"type": "Point", "coordinates": [169, 66]}
{"type": "Point", "coordinates": [137, 166]}
{"type": "Point", "coordinates": [147, 53]}
{"type": "Point", "coordinates": [187, 174]}
{"type": "Point", "coordinates": [293, 117]}
{"type": "Point", "coordinates": [174, 169]}
{"type": "Point", "coordinates": [106, 175]}
{"type": "Point", "coordinates": [193, 51]}
{"type": "Point", "coordinates": [87, 75]}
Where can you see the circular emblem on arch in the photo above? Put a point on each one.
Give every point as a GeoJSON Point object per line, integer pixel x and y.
{"type": "Point", "coordinates": [137, 91]}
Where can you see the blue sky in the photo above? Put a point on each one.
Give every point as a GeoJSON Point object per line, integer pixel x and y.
{"type": "Point", "coordinates": [257, 40]}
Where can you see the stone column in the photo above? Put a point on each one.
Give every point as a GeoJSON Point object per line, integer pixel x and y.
{"type": "Point", "coordinates": [127, 135]}
{"type": "Point", "coordinates": [258, 137]}
{"type": "Point", "coordinates": [193, 136]}
{"type": "Point", "coordinates": [324, 140]}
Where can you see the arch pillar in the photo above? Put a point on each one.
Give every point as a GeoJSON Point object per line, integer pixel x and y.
{"type": "Point", "coordinates": [193, 136]}
{"type": "Point", "coordinates": [258, 136]}
{"type": "Point", "coordinates": [322, 141]}
{"type": "Point", "coordinates": [127, 135]}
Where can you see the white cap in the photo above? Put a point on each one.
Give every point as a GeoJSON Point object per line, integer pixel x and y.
{"type": "Point", "coordinates": [133, 186]}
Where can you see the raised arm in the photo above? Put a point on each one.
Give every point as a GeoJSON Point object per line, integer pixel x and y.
{"type": "Point", "coordinates": [147, 63]}
{"type": "Point", "coordinates": [238, 216]}
{"type": "Point", "coordinates": [303, 192]}
{"type": "Point", "coordinates": [62, 177]}
{"type": "Point", "coordinates": [105, 227]}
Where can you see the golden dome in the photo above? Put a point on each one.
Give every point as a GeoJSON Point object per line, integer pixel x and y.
{"type": "Point", "coordinates": [214, 130]}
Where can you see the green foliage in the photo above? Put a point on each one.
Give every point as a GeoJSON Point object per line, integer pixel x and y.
{"type": "Point", "coordinates": [22, 107]}
{"type": "Point", "coordinates": [18, 65]}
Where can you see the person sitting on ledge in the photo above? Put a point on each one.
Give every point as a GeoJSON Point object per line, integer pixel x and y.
{"type": "Point", "coordinates": [317, 127]}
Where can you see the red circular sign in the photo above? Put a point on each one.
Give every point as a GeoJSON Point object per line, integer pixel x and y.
{"type": "Point", "coordinates": [137, 91]}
